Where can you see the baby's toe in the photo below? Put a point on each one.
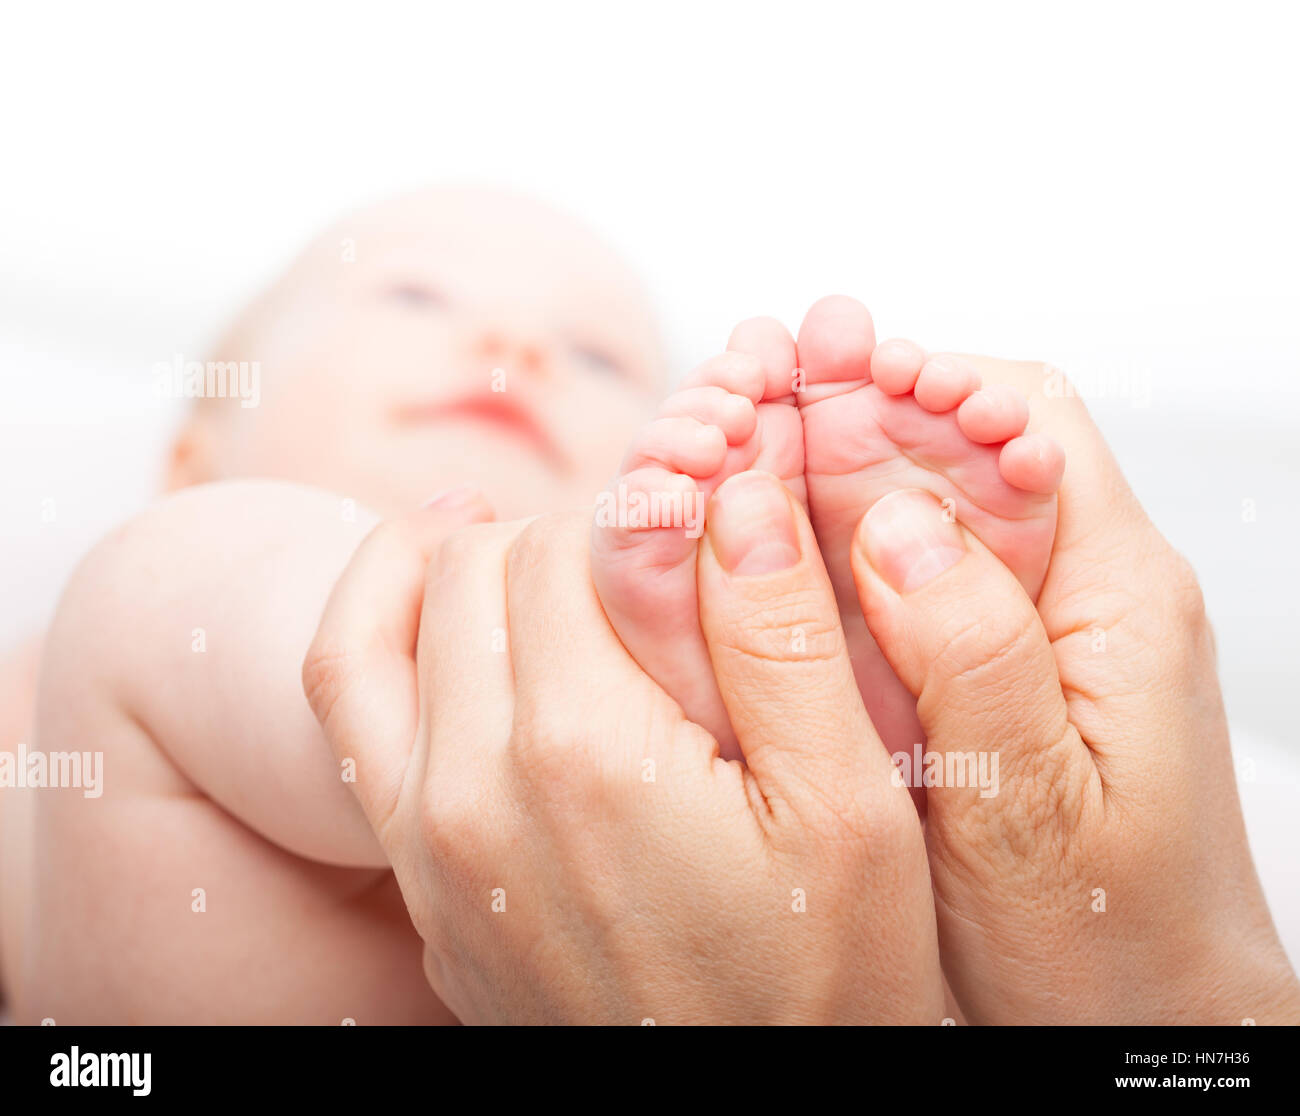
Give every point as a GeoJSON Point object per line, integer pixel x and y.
{"type": "Point", "coordinates": [895, 365]}
{"type": "Point", "coordinates": [944, 382]}
{"type": "Point", "coordinates": [993, 414]}
{"type": "Point", "coordinates": [739, 373]}
{"type": "Point", "coordinates": [680, 445]}
{"type": "Point", "coordinates": [733, 414]}
{"type": "Point", "coordinates": [643, 551]}
{"type": "Point", "coordinates": [770, 343]}
{"type": "Point", "coordinates": [835, 341]}
{"type": "Point", "coordinates": [1033, 463]}
{"type": "Point", "coordinates": [646, 498]}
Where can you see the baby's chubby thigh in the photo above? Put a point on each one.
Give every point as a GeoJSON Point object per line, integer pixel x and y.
{"type": "Point", "coordinates": [151, 904]}
{"type": "Point", "coordinates": [216, 872]}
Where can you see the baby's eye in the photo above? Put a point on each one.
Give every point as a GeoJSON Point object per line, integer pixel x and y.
{"type": "Point", "coordinates": [415, 296]}
{"type": "Point", "coordinates": [598, 360]}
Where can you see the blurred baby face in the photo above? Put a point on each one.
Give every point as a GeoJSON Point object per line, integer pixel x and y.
{"type": "Point", "coordinates": [443, 339]}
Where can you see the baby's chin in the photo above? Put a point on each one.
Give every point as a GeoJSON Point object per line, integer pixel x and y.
{"type": "Point", "coordinates": [394, 471]}
{"type": "Point", "coordinates": [513, 493]}
{"type": "Point", "coordinates": [516, 476]}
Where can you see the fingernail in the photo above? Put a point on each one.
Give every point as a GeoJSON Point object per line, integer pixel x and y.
{"type": "Point", "coordinates": [453, 497]}
{"type": "Point", "coordinates": [751, 525]}
{"type": "Point", "coordinates": [910, 539]}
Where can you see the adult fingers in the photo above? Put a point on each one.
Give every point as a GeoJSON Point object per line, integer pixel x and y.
{"type": "Point", "coordinates": [772, 625]}
{"type": "Point", "coordinates": [579, 696]}
{"type": "Point", "coordinates": [359, 673]}
{"type": "Point", "coordinates": [961, 634]}
{"type": "Point", "coordinates": [464, 647]}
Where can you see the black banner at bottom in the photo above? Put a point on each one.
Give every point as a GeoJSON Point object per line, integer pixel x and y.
{"type": "Point", "coordinates": [343, 1064]}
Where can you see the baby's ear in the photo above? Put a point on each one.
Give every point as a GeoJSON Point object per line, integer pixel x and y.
{"type": "Point", "coordinates": [193, 458]}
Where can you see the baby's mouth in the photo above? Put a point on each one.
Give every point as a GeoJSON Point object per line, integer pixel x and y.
{"type": "Point", "coordinates": [497, 410]}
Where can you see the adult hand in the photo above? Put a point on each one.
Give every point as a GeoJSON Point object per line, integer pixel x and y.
{"type": "Point", "coordinates": [1109, 880]}
{"type": "Point", "coordinates": [571, 849]}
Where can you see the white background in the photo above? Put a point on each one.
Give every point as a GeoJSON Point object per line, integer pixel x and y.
{"type": "Point", "coordinates": [1113, 190]}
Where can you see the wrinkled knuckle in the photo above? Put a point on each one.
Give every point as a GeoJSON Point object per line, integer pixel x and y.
{"type": "Point", "coordinates": [1036, 830]}
{"type": "Point", "coordinates": [984, 654]}
{"type": "Point", "coordinates": [889, 829]}
{"type": "Point", "coordinates": [1047, 800]}
{"type": "Point", "coordinates": [451, 827]}
{"type": "Point", "coordinates": [563, 764]}
{"type": "Point", "coordinates": [852, 820]}
{"type": "Point", "coordinates": [1037, 814]}
{"type": "Point", "coordinates": [545, 749]}
{"type": "Point", "coordinates": [795, 626]}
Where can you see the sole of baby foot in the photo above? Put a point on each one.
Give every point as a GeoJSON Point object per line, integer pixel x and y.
{"type": "Point", "coordinates": [879, 418]}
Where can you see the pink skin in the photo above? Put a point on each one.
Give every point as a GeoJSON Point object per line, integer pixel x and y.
{"type": "Point", "coordinates": [394, 399]}
{"type": "Point", "coordinates": [870, 420]}
{"type": "Point", "coordinates": [881, 418]}
{"type": "Point", "coordinates": [383, 352]}
{"type": "Point", "coordinates": [735, 412]}
{"type": "Point", "coordinates": [449, 337]}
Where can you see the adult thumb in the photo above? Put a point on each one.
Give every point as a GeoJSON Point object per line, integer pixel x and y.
{"type": "Point", "coordinates": [963, 637]}
{"type": "Point", "coordinates": [772, 625]}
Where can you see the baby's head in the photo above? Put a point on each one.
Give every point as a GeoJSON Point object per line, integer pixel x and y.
{"type": "Point", "coordinates": [448, 337]}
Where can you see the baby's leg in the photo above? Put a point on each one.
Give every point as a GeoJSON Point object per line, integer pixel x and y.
{"type": "Point", "coordinates": [220, 870]}
{"type": "Point", "coordinates": [735, 412]}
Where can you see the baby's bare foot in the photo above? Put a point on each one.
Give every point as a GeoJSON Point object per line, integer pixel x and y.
{"type": "Point", "coordinates": [879, 418]}
{"type": "Point", "coordinates": [734, 413]}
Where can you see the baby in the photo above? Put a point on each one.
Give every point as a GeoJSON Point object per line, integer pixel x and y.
{"type": "Point", "coordinates": [225, 873]}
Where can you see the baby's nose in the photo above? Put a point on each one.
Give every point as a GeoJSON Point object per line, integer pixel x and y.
{"type": "Point", "coordinates": [513, 353]}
